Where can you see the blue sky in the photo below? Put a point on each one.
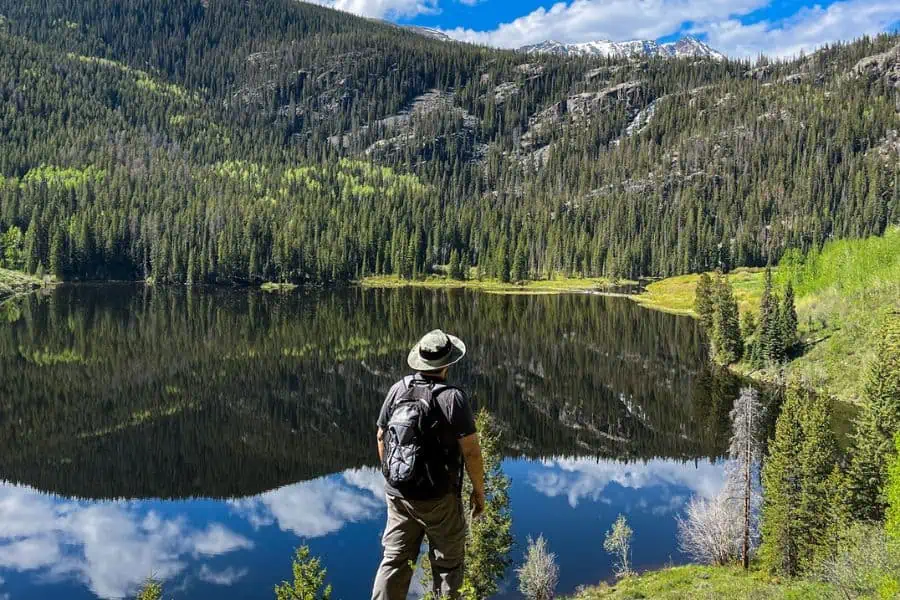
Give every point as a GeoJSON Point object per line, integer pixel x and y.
{"type": "Point", "coordinates": [739, 28]}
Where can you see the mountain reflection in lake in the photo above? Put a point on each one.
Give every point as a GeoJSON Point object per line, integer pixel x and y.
{"type": "Point", "coordinates": [201, 436]}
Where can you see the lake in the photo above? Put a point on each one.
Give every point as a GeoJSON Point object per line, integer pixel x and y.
{"type": "Point", "coordinates": [199, 436]}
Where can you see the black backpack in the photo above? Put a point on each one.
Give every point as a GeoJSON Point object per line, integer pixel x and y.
{"type": "Point", "coordinates": [415, 461]}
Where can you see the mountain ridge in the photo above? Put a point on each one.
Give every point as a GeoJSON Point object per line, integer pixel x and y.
{"type": "Point", "coordinates": [686, 47]}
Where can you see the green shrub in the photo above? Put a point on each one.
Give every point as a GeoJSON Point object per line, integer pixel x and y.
{"type": "Point", "coordinates": [309, 580]}
{"type": "Point", "coordinates": [152, 590]}
{"type": "Point", "coordinates": [892, 495]}
{"type": "Point", "coordinates": [865, 565]}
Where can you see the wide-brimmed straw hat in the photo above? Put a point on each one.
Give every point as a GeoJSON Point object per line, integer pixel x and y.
{"type": "Point", "coordinates": [435, 351]}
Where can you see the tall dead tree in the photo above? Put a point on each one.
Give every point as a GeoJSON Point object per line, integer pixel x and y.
{"type": "Point", "coordinates": [745, 454]}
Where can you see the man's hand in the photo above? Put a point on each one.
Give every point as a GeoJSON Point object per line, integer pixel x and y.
{"type": "Point", "coordinates": [470, 448]}
{"type": "Point", "coordinates": [477, 501]}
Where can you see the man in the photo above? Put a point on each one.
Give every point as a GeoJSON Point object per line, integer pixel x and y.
{"type": "Point", "coordinates": [426, 434]}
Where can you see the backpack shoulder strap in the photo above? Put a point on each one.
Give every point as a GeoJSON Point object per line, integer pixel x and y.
{"type": "Point", "coordinates": [407, 383]}
{"type": "Point", "coordinates": [438, 389]}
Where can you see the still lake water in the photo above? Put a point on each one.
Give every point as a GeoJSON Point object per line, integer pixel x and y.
{"type": "Point", "coordinates": [200, 436]}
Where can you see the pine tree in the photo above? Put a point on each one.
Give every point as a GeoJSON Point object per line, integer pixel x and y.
{"type": "Point", "coordinates": [456, 268]}
{"type": "Point", "coordinates": [57, 254]}
{"type": "Point", "coordinates": [704, 301]}
{"type": "Point", "coordinates": [796, 478]}
{"type": "Point", "coordinates": [520, 263]}
{"type": "Point", "coordinates": [788, 318]}
{"type": "Point", "coordinates": [308, 579]}
{"type": "Point", "coordinates": [748, 325]}
{"type": "Point", "coordinates": [12, 244]}
{"type": "Point", "coordinates": [770, 323]}
{"type": "Point", "coordinates": [192, 268]}
{"type": "Point", "coordinates": [727, 344]}
{"type": "Point", "coordinates": [876, 424]}
{"type": "Point", "coordinates": [503, 263]}
{"type": "Point", "coordinates": [32, 246]}
{"type": "Point", "coordinates": [490, 539]}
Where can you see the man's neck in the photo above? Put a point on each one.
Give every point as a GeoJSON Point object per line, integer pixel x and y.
{"type": "Point", "coordinates": [436, 377]}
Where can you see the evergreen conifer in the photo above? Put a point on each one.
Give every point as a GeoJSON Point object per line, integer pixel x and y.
{"type": "Point", "coordinates": [704, 302]}
{"type": "Point", "coordinates": [726, 337]}
{"type": "Point", "coordinates": [788, 318]}
{"type": "Point", "coordinates": [877, 423]}
{"type": "Point", "coordinates": [796, 479]}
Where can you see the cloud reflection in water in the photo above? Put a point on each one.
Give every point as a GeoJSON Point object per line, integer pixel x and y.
{"type": "Point", "coordinates": [587, 479]}
{"type": "Point", "coordinates": [112, 547]}
{"type": "Point", "coordinates": [109, 548]}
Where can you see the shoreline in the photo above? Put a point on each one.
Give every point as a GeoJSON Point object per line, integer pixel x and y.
{"type": "Point", "coordinates": [557, 285]}
{"type": "Point", "coordinates": [15, 284]}
{"type": "Point", "coordinates": [673, 295]}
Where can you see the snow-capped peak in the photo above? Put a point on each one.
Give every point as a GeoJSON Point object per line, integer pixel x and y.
{"type": "Point", "coordinates": [688, 46]}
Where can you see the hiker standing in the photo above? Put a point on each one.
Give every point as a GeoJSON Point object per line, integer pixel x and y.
{"type": "Point", "coordinates": [426, 436]}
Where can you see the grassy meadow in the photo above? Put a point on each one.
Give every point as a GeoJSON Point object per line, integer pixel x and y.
{"type": "Point", "coordinates": [557, 285]}
{"type": "Point", "coordinates": [844, 292]}
{"type": "Point", "coordinates": [703, 583]}
{"type": "Point", "coordinates": [676, 294]}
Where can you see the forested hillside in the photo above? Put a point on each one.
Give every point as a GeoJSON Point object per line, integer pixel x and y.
{"type": "Point", "coordinates": [195, 141]}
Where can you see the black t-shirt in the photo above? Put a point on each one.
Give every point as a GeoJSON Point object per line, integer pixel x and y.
{"type": "Point", "coordinates": [459, 422]}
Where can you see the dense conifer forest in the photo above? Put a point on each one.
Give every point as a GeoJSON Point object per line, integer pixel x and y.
{"type": "Point", "coordinates": [230, 142]}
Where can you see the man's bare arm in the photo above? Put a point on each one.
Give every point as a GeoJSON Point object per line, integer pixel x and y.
{"type": "Point", "coordinates": [470, 447]}
{"type": "Point", "coordinates": [380, 438]}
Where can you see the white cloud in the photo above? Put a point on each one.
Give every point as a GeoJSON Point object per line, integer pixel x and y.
{"type": "Point", "coordinates": [587, 479]}
{"type": "Point", "coordinates": [805, 31]}
{"type": "Point", "coordinates": [111, 547]}
{"type": "Point", "coordinates": [228, 576]}
{"type": "Point", "coordinates": [381, 9]}
{"type": "Point", "coordinates": [718, 20]}
{"type": "Point", "coordinates": [30, 553]}
{"type": "Point", "coordinates": [317, 508]}
{"type": "Point", "coordinates": [587, 20]}
{"type": "Point", "coordinates": [218, 540]}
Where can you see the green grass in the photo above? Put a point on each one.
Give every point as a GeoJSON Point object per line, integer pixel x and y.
{"type": "Point", "coordinates": [676, 294]}
{"type": "Point", "coordinates": [14, 282]}
{"type": "Point", "coordinates": [278, 287]}
{"type": "Point", "coordinates": [557, 285]}
{"type": "Point", "coordinates": [844, 293]}
{"type": "Point", "coordinates": [701, 583]}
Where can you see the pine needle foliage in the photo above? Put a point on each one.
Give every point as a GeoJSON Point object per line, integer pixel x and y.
{"type": "Point", "coordinates": [489, 540]}
{"type": "Point", "coordinates": [727, 343]}
{"type": "Point", "coordinates": [892, 494]}
{"type": "Point", "coordinates": [704, 301]}
{"type": "Point", "coordinates": [309, 579]}
{"type": "Point", "coordinates": [797, 479]}
{"type": "Point", "coordinates": [876, 425]}
{"type": "Point", "coordinates": [152, 590]}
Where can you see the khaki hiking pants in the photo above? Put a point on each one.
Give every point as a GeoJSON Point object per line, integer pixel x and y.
{"type": "Point", "coordinates": [408, 521]}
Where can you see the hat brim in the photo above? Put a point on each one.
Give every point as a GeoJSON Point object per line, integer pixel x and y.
{"type": "Point", "coordinates": [457, 352]}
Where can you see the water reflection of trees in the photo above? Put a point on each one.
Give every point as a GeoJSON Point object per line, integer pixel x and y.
{"type": "Point", "coordinates": [139, 392]}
